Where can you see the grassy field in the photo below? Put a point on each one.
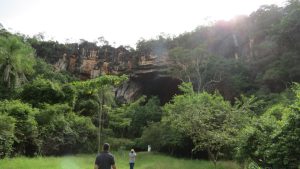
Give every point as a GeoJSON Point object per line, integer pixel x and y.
{"type": "Point", "coordinates": [144, 161]}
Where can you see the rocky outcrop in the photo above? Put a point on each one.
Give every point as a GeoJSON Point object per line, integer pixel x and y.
{"type": "Point", "coordinates": [129, 91]}
{"type": "Point", "coordinates": [148, 75]}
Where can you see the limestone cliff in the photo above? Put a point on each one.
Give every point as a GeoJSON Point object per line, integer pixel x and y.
{"type": "Point", "coordinates": [147, 74]}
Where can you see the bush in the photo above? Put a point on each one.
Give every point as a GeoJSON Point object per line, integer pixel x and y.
{"type": "Point", "coordinates": [47, 71]}
{"type": "Point", "coordinates": [86, 134]}
{"type": "Point", "coordinates": [7, 129]}
{"type": "Point", "coordinates": [62, 131]}
{"type": "Point", "coordinates": [273, 139]}
{"type": "Point", "coordinates": [42, 91]}
{"type": "Point", "coordinates": [142, 115]}
{"type": "Point", "coordinates": [26, 132]}
{"type": "Point", "coordinates": [169, 138]}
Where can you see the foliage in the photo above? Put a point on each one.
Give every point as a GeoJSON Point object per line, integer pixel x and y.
{"type": "Point", "coordinates": [70, 94]}
{"type": "Point", "coordinates": [129, 120]}
{"type": "Point", "coordinates": [143, 115]}
{"type": "Point", "coordinates": [62, 131]}
{"type": "Point", "coordinates": [246, 55]}
{"type": "Point", "coordinates": [86, 107]}
{"type": "Point", "coordinates": [16, 60]}
{"type": "Point", "coordinates": [7, 131]}
{"type": "Point", "coordinates": [272, 139]}
{"type": "Point", "coordinates": [26, 129]}
{"type": "Point", "coordinates": [42, 91]}
{"type": "Point", "coordinates": [158, 46]}
{"type": "Point", "coordinates": [208, 119]}
{"type": "Point", "coordinates": [94, 84]}
{"type": "Point", "coordinates": [16, 63]}
{"type": "Point", "coordinates": [208, 72]}
{"type": "Point", "coordinates": [47, 71]}
{"type": "Point", "coordinates": [101, 89]}
{"type": "Point", "coordinates": [186, 88]}
{"type": "Point", "coordinates": [50, 51]}
{"type": "Point", "coordinates": [289, 26]}
{"type": "Point", "coordinates": [169, 137]}
{"type": "Point", "coordinates": [120, 144]}
{"type": "Point", "coordinates": [119, 120]}
{"type": "Point", "coordinates": [196, 66]}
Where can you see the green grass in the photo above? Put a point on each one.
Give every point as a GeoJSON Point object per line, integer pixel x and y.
{"type": "Point", "coordinates": [144, 161]}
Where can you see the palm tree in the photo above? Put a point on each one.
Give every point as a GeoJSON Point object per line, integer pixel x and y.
{"type": "Point", "coordinates": [16, 60]}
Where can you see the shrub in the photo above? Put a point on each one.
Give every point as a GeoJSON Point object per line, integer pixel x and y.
{"type": "Point", "coordinates": [62, 131]}
{"type": "Point", "coordinates": [273, 139]}
{"type": "Point", "coordinates": [26, 132]}
{"type": "Point", "coordinates": [7, 129]}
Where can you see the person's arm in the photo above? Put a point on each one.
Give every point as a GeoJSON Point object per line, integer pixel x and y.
{"type": "Point", "coordinates": [96, 166]}
{"type": "Point", "coordinates": [114, 166]}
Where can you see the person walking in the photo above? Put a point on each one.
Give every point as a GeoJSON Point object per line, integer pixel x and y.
{"type": "Point", "coordinates": [132, 156]}
{"type": "Point", "coordinates": [105, 160]}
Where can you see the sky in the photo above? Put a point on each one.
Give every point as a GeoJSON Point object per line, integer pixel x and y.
{"type": "Point", "coordinates": [121, 22]}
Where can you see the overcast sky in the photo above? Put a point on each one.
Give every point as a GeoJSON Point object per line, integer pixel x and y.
{"type": "Point", "coordinates": [120, 21]}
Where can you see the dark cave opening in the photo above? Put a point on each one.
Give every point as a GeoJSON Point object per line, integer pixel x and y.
{"type": "Point", "coordinates": [164, 87]}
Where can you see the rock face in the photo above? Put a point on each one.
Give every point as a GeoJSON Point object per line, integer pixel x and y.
{"type": "Point", "coordinates": [148, 75]}
{"type": "Point", "coordinates": [129, 91]}
{"type": "Point", "coordinates": [89, 61]}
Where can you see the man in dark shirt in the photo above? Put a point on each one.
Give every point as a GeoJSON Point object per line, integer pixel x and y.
{"type": "Point", "coordinates": [105, 160]}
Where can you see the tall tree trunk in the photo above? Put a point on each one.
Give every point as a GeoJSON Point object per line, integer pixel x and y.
{"type": "Point", "coordinates": [213, 157]}
{"type": "Point", "coordinates": [100, 119]}
{"type": "Point", "coordinates": [99, 128]}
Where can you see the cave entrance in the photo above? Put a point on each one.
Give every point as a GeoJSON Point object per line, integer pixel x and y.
{"type": "Point", "coordinates": [164, 87]}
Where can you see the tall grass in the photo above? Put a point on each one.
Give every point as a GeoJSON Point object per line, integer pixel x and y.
{"type": "Point", "coordinates": [144, 161]}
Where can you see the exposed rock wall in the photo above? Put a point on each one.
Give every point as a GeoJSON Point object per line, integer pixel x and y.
{"type": "Point", "coordinates": [145, 73]}
{"type": "Point", "coordinates": [129, 91]}
{"type": "Point", "coordinates": [87, 64]}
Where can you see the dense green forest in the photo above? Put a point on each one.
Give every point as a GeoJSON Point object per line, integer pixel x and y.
{"type": "Point", "coordinates": [239, 97]}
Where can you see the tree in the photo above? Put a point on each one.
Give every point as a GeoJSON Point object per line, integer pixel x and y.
{"type": "Point", "coordinates": [42, 91]}
{"type": "Point", "coordinates": [100, 86]}
{"type": "Point", "coordinates": [288, 29]}
{"type": "Point", "coordinates": [47, 71]}
{"type": "Point", "coordinates": [147, 112]}
{"type": "Point", "coordinates": [105, 98]}
{"type": "Point", "coordinates": [272, 139]}
{"type": "Point", "coordinates": [208, 119]}
{"type": "Point", "coordinates": [119, 120]}
{"type": "Point", "coordinates": [16, 60]}
{"type": "Point", "coordinates": [7, 134]}
{"type": "Point", "coordinates": [62, 131]}
{"type": "Point", "coordinates": [129, 120]}
{"type": "Point", "coordinates": [121, 117]}
{"type": "Point", "coordinates": [102, 41]}
{"type": "Point", "coordinates": [26, 140]}
{"type": "Point", "coordinates": [169, 137]}
{"type": "Point", "coordinates": [197, 66]}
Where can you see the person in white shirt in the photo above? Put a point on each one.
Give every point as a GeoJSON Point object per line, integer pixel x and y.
{"type": "Point", "coordinates": [132, 156]}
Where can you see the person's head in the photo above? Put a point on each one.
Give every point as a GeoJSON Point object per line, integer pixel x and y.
{"type": "Point", "coordinates": [132, 150]}
{"type": "Point", "coordinates": [105, 146]}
